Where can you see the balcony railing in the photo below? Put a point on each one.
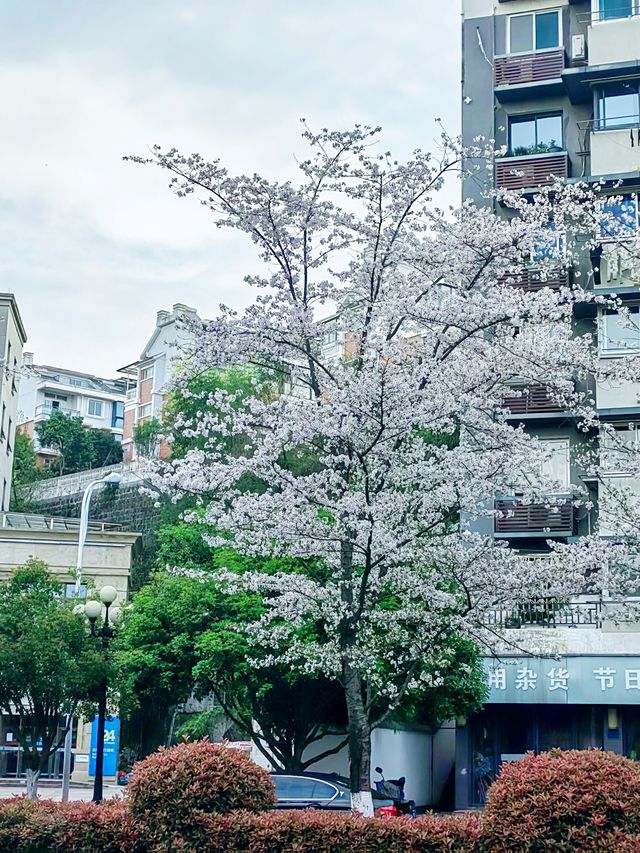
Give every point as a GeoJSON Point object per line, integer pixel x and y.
{"type": "Point", "coordinates": [529, 68]}
{"type": "Point", "coordinates": [46, 410]}
{"type": "Point", "coordinates": [534, 279]}
{"type": "Point", "coordinates": [535, 170]}
{"type": "Point", "coordinates": [547, 613]}
{"type": "Point", "coordinates": [533, 400]}
{"type": "Point", "coordinates": [536, 519]}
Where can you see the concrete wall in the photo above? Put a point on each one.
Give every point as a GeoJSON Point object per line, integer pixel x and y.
{"type": "Point", "coordinates": [615, 151]}
{"type": "Point", "coordinates": [425, 761]}
{"type": "Point", "coordinates": [614, 41]}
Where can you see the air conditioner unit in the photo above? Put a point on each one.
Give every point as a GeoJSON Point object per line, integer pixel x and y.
{"type": "Point", "coordinates": [578, 48]}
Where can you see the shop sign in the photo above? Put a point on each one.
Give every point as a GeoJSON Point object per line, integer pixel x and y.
{"type": "Point", "coordinates": [584, 680]}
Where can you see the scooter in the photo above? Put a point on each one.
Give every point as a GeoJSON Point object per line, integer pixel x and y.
{"type": "Point", "coordinates": [393, 789]}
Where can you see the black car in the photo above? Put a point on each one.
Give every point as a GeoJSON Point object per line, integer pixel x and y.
{"type": "Point", "coordinates": [316, 791]}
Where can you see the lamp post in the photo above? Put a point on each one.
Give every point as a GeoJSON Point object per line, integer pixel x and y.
{"type": "Point", "coordinates": [92, 610]}
{"type": "Point", "coordinates": [113, 478]}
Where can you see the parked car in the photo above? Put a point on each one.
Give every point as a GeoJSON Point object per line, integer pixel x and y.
{"type": "Point", "coordinates": [321, 791]}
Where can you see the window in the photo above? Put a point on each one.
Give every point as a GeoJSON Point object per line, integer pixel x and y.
{"type": "Point", "coordinates": [117, 415]}
{"type": "Point", "coordinates": [9, 438]}
{"type": "Point", "coordinates": [144, 411]}
{"type": "Point", "coordinates": [77, 382]}
{"type": "Point", "coordinates": [621, 219]}
{"type": "Point", "coordinates": [147, 372]}
{"type": "Point", "coordinates": [94, 408]}
{"type": "Point", "coordinates": [620, 334]}
{"type": "Point", "coordinates": [620, 448]}
{"type": "Point", "coordinates": [4, 494]}
{"type": "Point", "coordinates": [618, 105]}
{"type": "Point", "coordinates": [535, 31]}
{"type": "Point", "coordinates": [556, 467]}
{"type": "Point", "coordinates": [608, 9]}
{"type": "Point", "coordinates": [535, 134]}
{"type": "Point", "coordinates": [70, 590]}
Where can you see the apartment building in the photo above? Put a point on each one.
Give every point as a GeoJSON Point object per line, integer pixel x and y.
{"type": "Point", "coordinates": [148, 376]}
{"type": "Point", "coordinates": [45, 389]}
{"type": "Point", "coordinates": [12, 339]}
{"type": "Point", "coordinates": [557, 83]}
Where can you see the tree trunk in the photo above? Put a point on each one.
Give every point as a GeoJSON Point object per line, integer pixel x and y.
{"type": "Point", "coordinates": [32, 777]}
{"type": "Point", "coordinates": [359, 733]}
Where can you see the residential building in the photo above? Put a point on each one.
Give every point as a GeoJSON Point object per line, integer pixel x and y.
{"type": "Point", "coordinates": [557, 83]}
{"type": "Point", "coordinates": [106, 561]}
{"type": "Point", "coordinates": [12, 339]}
{"type": "Point", "coordinates": [45, 390]}
{"type": "Point", "coordinates": [148, 376]}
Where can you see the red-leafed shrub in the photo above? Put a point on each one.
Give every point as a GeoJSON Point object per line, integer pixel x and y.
{"type": "Point", "coordinates": [313, 831]}
{"type": "Point", "coordinates": [42, 826]}
{"type": "Point", "coordinates": [172, 785]}
{"type": "Point", "coordinates": [578, 800]}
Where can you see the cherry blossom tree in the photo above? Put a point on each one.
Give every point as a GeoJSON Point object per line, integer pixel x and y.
{"type": "Point", "coordinates": [403, 439]}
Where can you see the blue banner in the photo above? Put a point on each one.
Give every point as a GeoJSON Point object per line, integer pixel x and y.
{"type": "Point", "coordinates": [110, 752]}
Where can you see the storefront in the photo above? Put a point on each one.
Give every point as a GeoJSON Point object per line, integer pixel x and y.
{"type": "Point", "coordinates": [537, 704]}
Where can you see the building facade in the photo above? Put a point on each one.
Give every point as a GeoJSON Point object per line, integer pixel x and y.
{"type": "Point", "coordinates": [556, 84]}
{"type": "Point", "coordinates": [45, 390]}
{"type": "Point", "coordinates": [148, 376]}
{"type": "Point", "coordinates": [12, 340]}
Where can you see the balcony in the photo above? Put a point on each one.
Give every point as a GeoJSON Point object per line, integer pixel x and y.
{"type": "Point", "coordinates": [532, 280]}
{"type": "Point", "coordinates": [532, 73]}
{"type": "Point", "coordinates": [518, 519]}
{"type": "Point", "coordinates": [533, 400]}
{"type": "Point", "coordinates": [547, 613]}
{"type": "Point", "coordinates": [46, 410]}
{"type": "Point", "coordinates": [532, 171]}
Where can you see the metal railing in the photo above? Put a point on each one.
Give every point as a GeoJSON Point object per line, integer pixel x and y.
{"type": "Point", "coordinates": [26, 521]}
{"type": "Point", "coordinates": [47, 409]}
{"type": "Point", "coordinates": [547, 613]}
{"type": "Point", "coordinates": [629, 122]}
{"type": "Point", "coordinates": [619, 12]}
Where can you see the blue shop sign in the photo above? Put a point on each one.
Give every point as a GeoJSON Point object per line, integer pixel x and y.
{"type": "Point", "coordinates": [564, 680]}
{"type": "Point", "coordinates": [110, 752]}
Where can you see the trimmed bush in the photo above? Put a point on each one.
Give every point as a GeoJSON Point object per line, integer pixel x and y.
{"type": "Point", "coordinates": [312, 831]}
{"type": "Point", "coordinates": [578, 800]}
{"type": "Point", "coordinates": [43, 826]}
{"type": "Point", "coordinates": [168, 788]}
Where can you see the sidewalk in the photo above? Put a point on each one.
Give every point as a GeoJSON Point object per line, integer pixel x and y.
{"type": "Point", "coordinates": [48, 791]}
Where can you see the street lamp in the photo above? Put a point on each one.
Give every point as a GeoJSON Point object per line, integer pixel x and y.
{"type": "Point", "coordinates": [93, 610]}
{"type": "Point", "coordinates": [111, 479]}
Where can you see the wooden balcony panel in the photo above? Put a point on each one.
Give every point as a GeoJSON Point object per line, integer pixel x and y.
{"type": "Point", "coordinates": [532, 280]}
{"type": "Point", "coordinates": [534, 399]}
{"type": "Point", "coordinates": [519, 173]}
{"type": "Point", "coordinates": [534, 518]}
{"type": "Point", "coordinates": [530, 68]}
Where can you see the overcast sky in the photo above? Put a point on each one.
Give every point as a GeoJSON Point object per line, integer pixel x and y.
{"type": "Point", "coordinates": [92, 246]}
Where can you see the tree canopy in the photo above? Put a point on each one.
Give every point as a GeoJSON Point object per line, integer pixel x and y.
{"type": "Point", "coordinates": [78, 448]}
{"type": "Point", "coordinates": [48, 664]}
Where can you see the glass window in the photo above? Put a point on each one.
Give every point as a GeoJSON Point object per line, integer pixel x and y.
{"type": "Point", "coordinates": [620, 333]}
{"type": "Point", "coordinates": [70, 590]}
{"type": "Point", "coordinates": [618, 105]}
{"type": "Point", "coordinates": [535, 134]}
{"type": "Point", "coordinates": [536, 31]}
{"type": "Point", "coordinates": [547, 34]}
{"type": "Point", "coordinates": [94, 408]}
{"type": "Point", "coordinates": [294, 787]}
{"type": "Point", "coordinates": [144, 411]}
{"type": "Point", "coordinates": [520, 33]}
{"type": "Point", "coordinates": [621, 217]}
{"type": "Point", "coordinates": [555, 468]}
{"type": "Point", "coordinates": [147, 373]}
{"type": "Point", "coordinates": [615, 9]}
{"type": "Point", "coordinates": [117, 415]}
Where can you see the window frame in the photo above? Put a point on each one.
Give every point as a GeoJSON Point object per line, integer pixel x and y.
{"type": "Point", "coordinates": [597, 14]}
{"type": "Point", "coordinates": [95, 400]}
{"type": "Point", "coordinates": [535, 49]}
{"type": "Point", "coordinates": [616, 469]}
{"type": "Point", "coordinates": [619, 352]}
{"type": "Point", "coordinates": [521, 118]}
{"type": "Point", "coordinates": [142, 414]}
{"type": "Point", "coordinates": [147, 372]}
{"type": "Point", "coordinates": [600, 122]}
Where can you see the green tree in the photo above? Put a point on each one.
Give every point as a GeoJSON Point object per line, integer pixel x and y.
{"type": "Point", "coordinates": [66, 434]}
{"type": "Point", "coordinates": [106, 450]}
{"type": "Point", "coordinates": [146, 436]}
{"type": "Point", "coordinates": [25, 471]}
{"type": "Point", "coordinates": [48, 664]}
